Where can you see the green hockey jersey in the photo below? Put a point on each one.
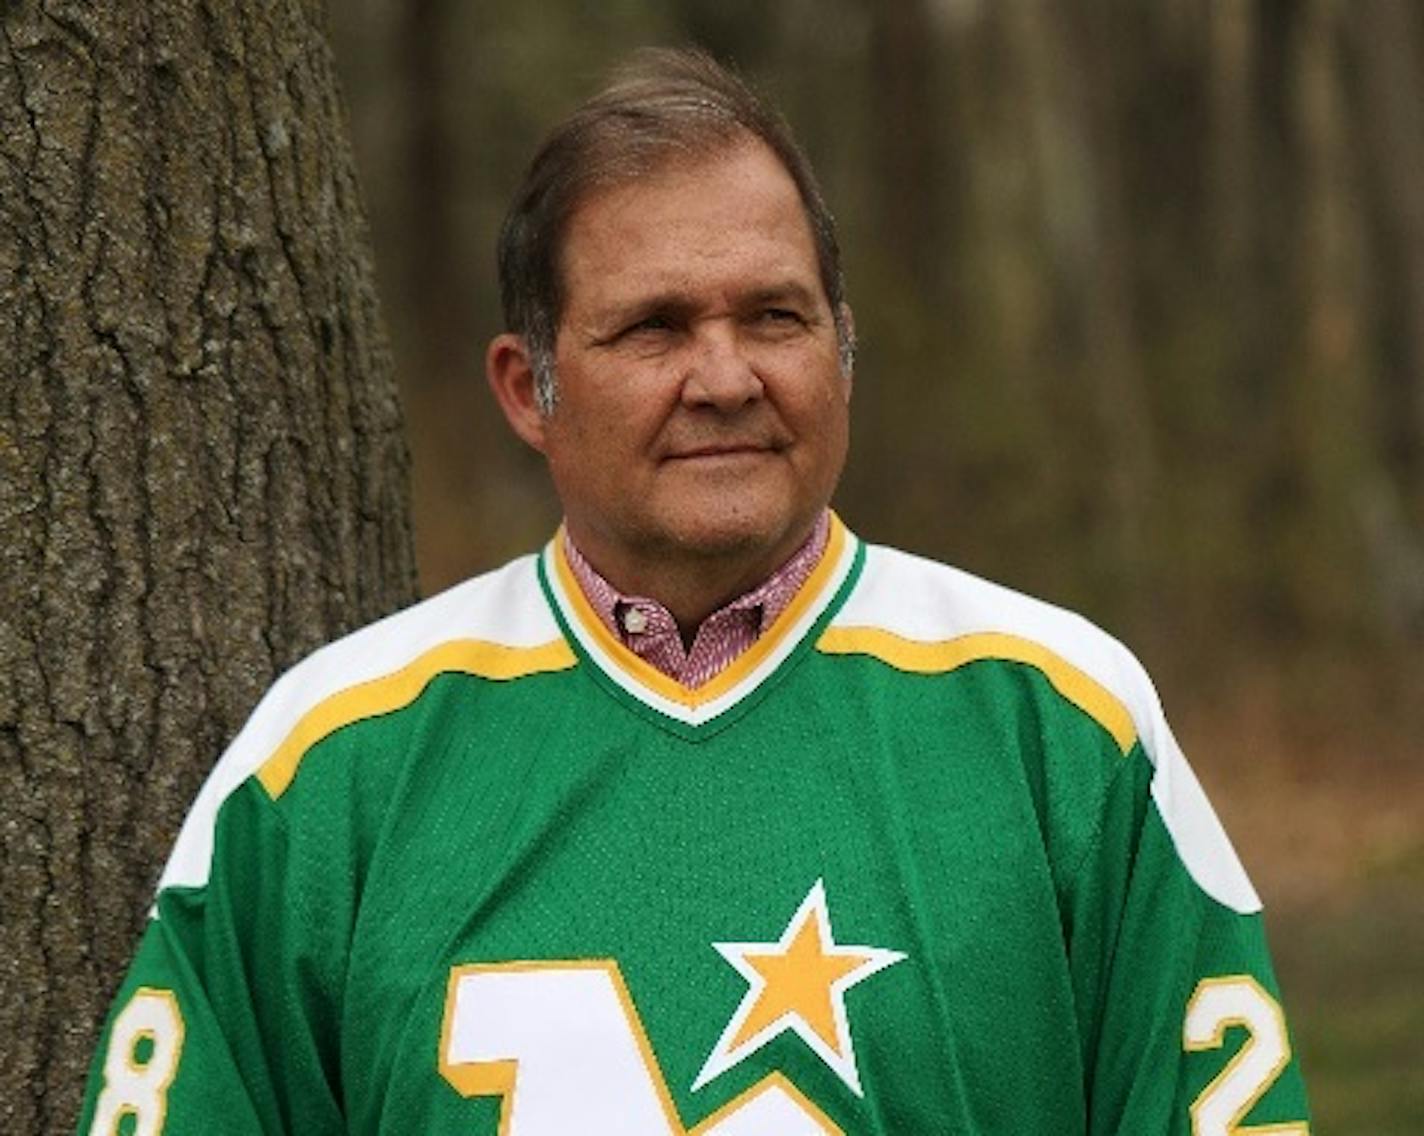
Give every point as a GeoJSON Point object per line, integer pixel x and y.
{"type": "Point", "coordinates": [925, 860]}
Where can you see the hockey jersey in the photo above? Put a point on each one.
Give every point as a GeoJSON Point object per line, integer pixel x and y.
{"type": "Point", "coordinates": [925, 860]}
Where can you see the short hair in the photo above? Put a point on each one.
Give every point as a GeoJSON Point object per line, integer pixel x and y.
{"type": "Point", "coordinates": [664, 103]}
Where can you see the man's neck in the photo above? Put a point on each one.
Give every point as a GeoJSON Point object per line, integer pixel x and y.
{"type": "Point", "coordinates": [692, 587]}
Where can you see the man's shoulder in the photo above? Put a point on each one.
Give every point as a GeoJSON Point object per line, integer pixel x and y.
{"type": "Point", "coordinates": [919, 615]}
{"type": "Point", "coordinates": [497, 626]}
{"type": "Point", "coordinates": [926, 602]}
{"type": "Point", "coordinates": [505, 606]}
{"type": "Point", "coordinates": [495, 620]}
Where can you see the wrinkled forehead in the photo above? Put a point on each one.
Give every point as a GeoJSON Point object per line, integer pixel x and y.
{"type": "Point", "coordinates": [648, 166]}
{"type": "Point", "coordinates": [725, 226]}
{"type": "Point", "coordinates": [638, 160]}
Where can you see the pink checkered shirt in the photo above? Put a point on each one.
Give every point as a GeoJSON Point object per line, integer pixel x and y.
{"type": "Point", "coordinates": [648, 629]}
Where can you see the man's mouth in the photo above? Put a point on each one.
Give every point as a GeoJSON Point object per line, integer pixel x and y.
{"type": "Point", "coordinates": [713, 449]}
{"type": "Point", "coordinates": [720, 451]}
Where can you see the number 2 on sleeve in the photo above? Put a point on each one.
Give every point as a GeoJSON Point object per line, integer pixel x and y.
{"type": "Point", "coordinates": [1217, 1004]}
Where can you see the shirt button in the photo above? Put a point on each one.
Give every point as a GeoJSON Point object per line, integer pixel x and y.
{"type": "Point", "coordinates": [634, 621]}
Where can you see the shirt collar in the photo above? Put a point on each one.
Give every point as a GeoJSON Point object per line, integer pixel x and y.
{"type": "Point", "coordinates": [772, 595]}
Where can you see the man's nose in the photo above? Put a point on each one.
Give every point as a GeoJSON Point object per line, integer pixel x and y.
{"type": "Point", "coordinates": [720, 371]}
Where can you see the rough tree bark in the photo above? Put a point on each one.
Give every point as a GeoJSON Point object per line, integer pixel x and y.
{"type": "Point", "coordinates": [201, 467]}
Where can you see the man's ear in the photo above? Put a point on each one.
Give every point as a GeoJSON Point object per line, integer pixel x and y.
{"type": "Point", "coordinates": [511, 377]}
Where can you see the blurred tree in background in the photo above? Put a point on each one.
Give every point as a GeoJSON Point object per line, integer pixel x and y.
{"type": "Point", "coordinates": [1140, 291]}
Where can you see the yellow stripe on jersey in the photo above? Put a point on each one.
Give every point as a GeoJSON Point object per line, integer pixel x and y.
{"type": "Point", "coordinates": [921, 657]}
{"type": "Point", "coordinates": [398, 689]}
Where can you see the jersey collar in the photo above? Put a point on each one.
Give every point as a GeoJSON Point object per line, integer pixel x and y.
{"type": "Point", "coordinates": [697, 705]}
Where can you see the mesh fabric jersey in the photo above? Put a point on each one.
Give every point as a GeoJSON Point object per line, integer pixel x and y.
{"type": "Point", "coordinates": [925, 860]}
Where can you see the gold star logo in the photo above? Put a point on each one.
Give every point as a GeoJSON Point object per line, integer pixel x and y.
{"type": "Point", "coordinates": [797, 983]}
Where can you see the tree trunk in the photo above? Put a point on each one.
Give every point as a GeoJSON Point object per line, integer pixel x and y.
{"type": "Point", "coordinates": [1331, 438]}
{"type": "Point", "coordinates": [201, 468]}
{"type": "Point", "coordinates": [1388, 60]}
{"type": "Point", "coordinates": [916, 196]}
{"type": "Point", "coordinates": [431, 264]}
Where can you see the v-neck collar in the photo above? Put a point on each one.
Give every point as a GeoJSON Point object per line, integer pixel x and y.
{"type": "Point", "coordinates": [695, 706]}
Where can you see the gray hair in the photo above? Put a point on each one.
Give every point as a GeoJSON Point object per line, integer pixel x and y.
{"type": "Point", "coordinates": [663, 104]}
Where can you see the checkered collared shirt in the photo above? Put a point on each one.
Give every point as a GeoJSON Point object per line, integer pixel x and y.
{"type": "Point", "coordinates": [648, 629]}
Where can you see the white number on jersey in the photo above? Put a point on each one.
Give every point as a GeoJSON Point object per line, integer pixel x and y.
{"type": "Point", "coordinates": [136, 1084]}
{"type": "Point", "coordinates": [1237, 1001]}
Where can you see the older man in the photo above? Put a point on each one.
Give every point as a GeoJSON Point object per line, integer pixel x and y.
{"type": "Point", "coordinates": [710, 819]}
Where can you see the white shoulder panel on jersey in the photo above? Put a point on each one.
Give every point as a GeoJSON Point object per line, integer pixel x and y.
{"type": "Point", "coordinates": [505, 609]}
{"type": "Point", "coordinates": [926, 602]}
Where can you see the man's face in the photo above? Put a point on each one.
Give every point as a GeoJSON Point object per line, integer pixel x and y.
{"type": "Point", "coordinates": [701, 408]}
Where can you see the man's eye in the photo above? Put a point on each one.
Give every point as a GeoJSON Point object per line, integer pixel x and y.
{"type": "Point", "coordinates": [780, 317]}
{"type": "Point", "coordinates": [651, 324]}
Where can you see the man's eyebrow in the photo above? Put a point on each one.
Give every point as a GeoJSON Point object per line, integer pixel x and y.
{"type": "Point", "coordinates": [790, 291]}
{"type": "Point", "coordinates": [675, 304]}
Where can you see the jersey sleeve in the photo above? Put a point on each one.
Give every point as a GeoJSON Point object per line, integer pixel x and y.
{"type": "Point", "coordinates": [227, 1020]}
{"type": "Point", "coordinates": [1180, 1013]}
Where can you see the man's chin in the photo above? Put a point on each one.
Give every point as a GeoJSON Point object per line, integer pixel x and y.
{"type": "Point", "coordinates": [729, 534]}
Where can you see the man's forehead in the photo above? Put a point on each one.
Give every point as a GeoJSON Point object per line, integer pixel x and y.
{"type": "Point", "coordinates": [659, 158]}
{"type": "Point", "coordinates": [717, 227]}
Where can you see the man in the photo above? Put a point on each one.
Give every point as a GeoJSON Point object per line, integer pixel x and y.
{"type": "Point", "coordinates": [710, 819]}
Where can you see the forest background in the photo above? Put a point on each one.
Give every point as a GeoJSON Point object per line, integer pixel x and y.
{"type": "Point", "coordinates": [1140, 290]}
{"type": "Point", "coordinates": [1140, 295]}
